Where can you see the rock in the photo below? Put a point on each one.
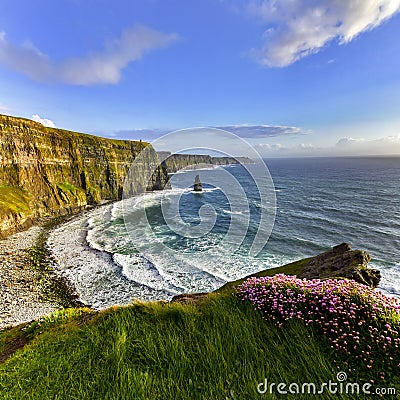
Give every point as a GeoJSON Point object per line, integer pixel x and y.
{"type": "Point", "coordinates": [342, 262]}
{"type": "Point", "coordinates": [197, 186]}
{"type": "Point", "coordinates": [188, 298]}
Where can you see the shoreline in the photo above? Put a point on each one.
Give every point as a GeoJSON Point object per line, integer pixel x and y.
{"type": "Point", "coordinates": [22, 298]}
{"type": "Point", "coordinates": [92, 265]}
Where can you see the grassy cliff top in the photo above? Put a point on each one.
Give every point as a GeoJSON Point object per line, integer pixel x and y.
{"type": "Point", "coordinates": [216, 349]}
{"type": "Point", "coordinates": [7, 122]}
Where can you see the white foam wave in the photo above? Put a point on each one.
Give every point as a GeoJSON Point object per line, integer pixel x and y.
{"type": "Point", "coordinates": [390, 279]}
{"type": "Point", "coordinates": [233, 212]}
{"type": "Point", "coordinates": [137, 268]}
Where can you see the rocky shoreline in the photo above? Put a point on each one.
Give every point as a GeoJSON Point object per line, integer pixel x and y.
{"type": "Point", "coordinates": [33, 285]}
{"type": "Point", "coordinates": [21, 297]}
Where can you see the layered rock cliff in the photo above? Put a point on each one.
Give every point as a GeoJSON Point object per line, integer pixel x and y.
{"type": "Point", "coordinates": [176, 162]}
{"type": "Point", "coordinates": [46, 171]}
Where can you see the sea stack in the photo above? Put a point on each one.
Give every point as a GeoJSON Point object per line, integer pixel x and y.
{"type": "Point", "coordinates": [197, 186]}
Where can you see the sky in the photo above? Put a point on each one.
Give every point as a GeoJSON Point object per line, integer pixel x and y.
{"type": "Point", "coordinates": [290, 77]}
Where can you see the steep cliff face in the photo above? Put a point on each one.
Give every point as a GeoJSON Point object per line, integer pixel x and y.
{"type": "Point", "coordinates": [231, 160]}
{"type": "Point", "coordinates": [176, 162]}
{"type": "Point", "coordinates": [46, 171]}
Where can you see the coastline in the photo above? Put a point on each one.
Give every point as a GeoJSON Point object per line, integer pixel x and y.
{"type": "Point", "coordinates": [68, 241]}
{"type": "Point", "coordinates": [22, 298]}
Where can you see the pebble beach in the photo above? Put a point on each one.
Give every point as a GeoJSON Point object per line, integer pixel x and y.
{"type": "Point", "coordinates": [21, 299]}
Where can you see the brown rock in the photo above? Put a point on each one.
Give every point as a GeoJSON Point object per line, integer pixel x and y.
{"type": "Point", "coordinates": [188, 298]}
{"type": "Point", "coordinates": [197, 186]}
{"type": "Point", "coordinates": [342, 262]}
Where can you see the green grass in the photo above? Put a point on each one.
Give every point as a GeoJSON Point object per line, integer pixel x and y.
{"type": "Point", "coordinates": [71, 194]}
{"type": "Point", "coordinates": [68, 187]}
{"type": "Point", "coordinates": [218, 348]}
{"type": "Point", "coordinates": [14, 200]}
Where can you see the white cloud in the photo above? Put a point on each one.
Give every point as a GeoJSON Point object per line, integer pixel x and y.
{"type": "Point", "coordinates": [246, 131]}
{"type": "Point", "coordinates": [347, 146]}
{"type": "Point", "coordinates": [349, 141]}
{"type": "Point", "coordinates": [278, 149]}
{"type": "Point", "coordinates": [388, 145]}
{"type": "Point", "coordinates": [44, 121]}
{"type": "Point", "coordinates": [271, 147]}
{"type": "Point", "coordinates": [103, 67]}
{"type": "Point", "coordinates": [298, 28]}
{"type": "Point", "coordinates": [306, 146]}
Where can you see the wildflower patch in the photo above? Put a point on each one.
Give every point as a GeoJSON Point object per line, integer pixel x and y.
{"type": "Point", "coordinates": [361, 325]}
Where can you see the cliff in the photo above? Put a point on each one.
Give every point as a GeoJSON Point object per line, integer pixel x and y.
{"type": "Point", "coordinates": [46, 171]}
{"type": "Point", "coordinates": [231, 160]}
{"type": "Point", "coordinates": [176, 162]}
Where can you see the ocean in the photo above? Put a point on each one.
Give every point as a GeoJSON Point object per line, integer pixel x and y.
{"type": "Point", "coordinates": [159, 244]}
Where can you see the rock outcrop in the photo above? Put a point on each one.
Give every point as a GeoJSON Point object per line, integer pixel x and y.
{"type": "Point", "coordinates": [189, 297]}
{"type": "Point", "coordinates": [342, 262]}
{"type": "Point", "coordinates": [197, 186]}
{"type": "Point", "coordinates": [47, 171]}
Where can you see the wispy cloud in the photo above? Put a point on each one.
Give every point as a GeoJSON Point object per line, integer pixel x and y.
{"type": "Point", "coordinates": [244, 131]}
{"type": "Point", "coordinates": [136, 134]}
{"type": "Point", "coordinates": [103, 67]}
{"type": "Point", "coordinates": [43, 121]}
{"type": "Point", "coordinates": [278, 149]}
{"type": "Point", "coordinates": [263, 131]}
{"type": "Point", "coordinates": [298, 28]}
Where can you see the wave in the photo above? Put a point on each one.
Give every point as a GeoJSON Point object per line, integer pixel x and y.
{"type": "Point", "coordinates": [390, 279]}
{"type": "Point", "coordinates": [233, 212]}
{"type": "Point", "coordinates": [136, 268]}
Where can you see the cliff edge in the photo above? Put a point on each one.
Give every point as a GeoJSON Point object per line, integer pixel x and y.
{"type": "Point", "coordinates": [48, 172]}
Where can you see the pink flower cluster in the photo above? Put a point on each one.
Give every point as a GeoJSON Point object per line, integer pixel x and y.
{"type": "Point", "coordinates": [357, 320]}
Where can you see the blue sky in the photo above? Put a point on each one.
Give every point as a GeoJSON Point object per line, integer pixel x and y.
{"type": "Point", "coordinates": [294, 77]}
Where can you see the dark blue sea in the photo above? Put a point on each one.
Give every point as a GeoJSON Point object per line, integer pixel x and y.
{"type": "Point", "coordinates": [163, 243]}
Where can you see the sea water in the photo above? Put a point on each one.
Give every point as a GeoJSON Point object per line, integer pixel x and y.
{"type": "Point", "coordinates": [120, 252]}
